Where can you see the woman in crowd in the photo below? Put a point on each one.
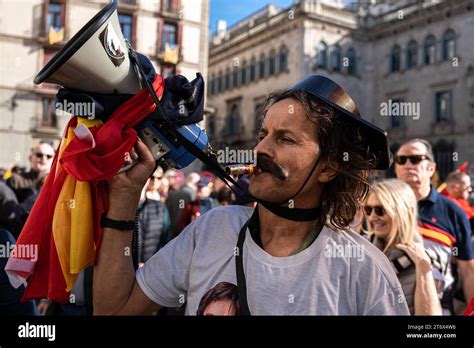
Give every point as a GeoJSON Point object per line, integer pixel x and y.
{"type": "Point", "coordinates": [391, 212]}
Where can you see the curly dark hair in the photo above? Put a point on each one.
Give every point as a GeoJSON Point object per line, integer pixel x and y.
{"type": "Point", "coordinates": [342, 148]}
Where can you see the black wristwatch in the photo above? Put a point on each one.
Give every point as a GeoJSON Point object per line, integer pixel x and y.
{"type": "Point", "coordinates": [116, 224]}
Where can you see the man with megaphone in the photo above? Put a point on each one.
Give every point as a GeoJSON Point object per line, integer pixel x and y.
{"type": "Point", "coordinates": [294, 254]}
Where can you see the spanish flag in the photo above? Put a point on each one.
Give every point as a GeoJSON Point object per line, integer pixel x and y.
{"type": "Point", "coordinates": [62, 234]}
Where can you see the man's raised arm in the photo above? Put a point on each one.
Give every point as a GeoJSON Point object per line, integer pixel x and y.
{"type": "Point", "coordinates": [115, 290]}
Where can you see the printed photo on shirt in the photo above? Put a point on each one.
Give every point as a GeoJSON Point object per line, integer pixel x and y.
{"type": "Point", "coordinates": [222, 300]}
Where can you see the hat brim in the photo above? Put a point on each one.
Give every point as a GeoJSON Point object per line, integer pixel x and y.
{"type": "Point", "coordinates": [375, 137]}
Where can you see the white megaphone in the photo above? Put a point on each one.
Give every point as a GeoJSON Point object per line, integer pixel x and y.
{"type": "Point", "coordinates": [96, 59]}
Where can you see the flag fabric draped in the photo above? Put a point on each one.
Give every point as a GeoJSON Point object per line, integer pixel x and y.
{"type": "Point", "coordinates": [62, 234]}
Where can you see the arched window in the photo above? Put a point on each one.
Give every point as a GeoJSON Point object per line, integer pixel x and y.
{"type": "Point", "coordinates": [430, 50]}
{"type": "Point", "coordinates": [261, 67]}
{"type": "Point", "coordinates": [395, 58]}
{"type": "Point", "coordinates": [412, 54]}
{"type": "Point", "coordinates": [449, 44]}
{"type": "Point", "coordinates": [283, 59]}
{"type": "Point", "coordinates": [271, 63]}
{"type": "Point", "coordinates": [243, 74]}
{"type": "Point", "coordinates": [322, 55]}
{"type": "Point", "coordinates": [253, 69]}
{"type": "Point", "coordinates": [351, 57]}
{"type": "Point", "coordinates": [336, 58]}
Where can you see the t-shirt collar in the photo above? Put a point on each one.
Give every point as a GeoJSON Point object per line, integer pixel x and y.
{"type": "Point", "coordinates": [433, 195]}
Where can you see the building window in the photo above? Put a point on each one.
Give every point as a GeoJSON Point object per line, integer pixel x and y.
{"type": "Point", "coordinates": [233, 120]}
{"type": "Point", "coordinates": [443, 106]}
{"type": "Point", "coordinates": [322, 55]}
{"type": "Point", "coordinates": [430, 50]}
{"type": "Point", "coordinates": [168, 36]}
{"type": "Point", "coordinates": [257, 120]}
{"type": "Point", "coordinates": [211, 126]}
{"type": "Point", "coordinates": [449, 45]}
{"type": "Point", "coordinates": [336, 58]}
{"type": "Point", "coordinates": [210, 88]}
{"type": "Point", "coordinates": [395, 59]}
{"type": "Point", "coordinates": [397, 121]}
{"type": "Point", "coordinates": [271, 63]}
{"type": "Point", "coordinates": [235, 77]}
{"type": "Point", "coordinates": [170, 6]}
{"type": "Point", "coordinates": [283, 59]}
{"type": "Point", "coordinates": [351, 58]}
{"type": "Point", "coordinates": [253, 68]}
{"type": "Point", "coordinates": [443, 153]}
{"type": "Point", "coordinates": [55, 16]}
{"type": "Point", "coordinates": [125, 21]}
{"type": "Point", "coordinates": [219, 82]}
{"type": "Point", "coordinates": [49, 118]}
{"type": "Point", "coordinates": [412, 54]}
{"type": "Point", "coordinates": [243, 74]}
{"type": "Point", "coordinates": [261, 67]}
{"type": "Point", "coordinates": [227, 80]}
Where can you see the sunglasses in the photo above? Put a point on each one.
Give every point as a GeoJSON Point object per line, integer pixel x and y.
{"type": "Point", "coordinates": [40, 155]}
{"type": "Point", "coordinates": [379, 211]}
{"type": "Point", "coordinates": [414, 159]}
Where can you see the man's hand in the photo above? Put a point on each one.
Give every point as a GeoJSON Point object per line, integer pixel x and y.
{"type": "Point", "coordinates": [125, 188]}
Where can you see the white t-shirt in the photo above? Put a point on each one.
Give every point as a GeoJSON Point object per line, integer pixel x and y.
{"type": "Point", "coordinates": [340, 273]}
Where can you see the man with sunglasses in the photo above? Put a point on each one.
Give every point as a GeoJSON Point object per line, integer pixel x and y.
{"type": "Point", "coordinates": [443, 225]}
{"type": "Point", "coordinates": [28, 183]}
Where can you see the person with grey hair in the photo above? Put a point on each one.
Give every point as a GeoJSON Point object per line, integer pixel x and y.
{"type": "Point", "coordinates": [26, 184]}
{"type": "Point", "coordinates": [443, 225]}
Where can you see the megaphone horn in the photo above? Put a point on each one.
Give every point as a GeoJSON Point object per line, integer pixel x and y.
{"type": "Point", "coordinates": [95, 60]}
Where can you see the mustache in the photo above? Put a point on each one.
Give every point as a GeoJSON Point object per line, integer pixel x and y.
{"type": "Point", "coordinates": [265, 164]}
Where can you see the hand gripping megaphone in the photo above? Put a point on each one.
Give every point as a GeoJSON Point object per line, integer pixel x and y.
{"type": "Point", "coordinates": [99, 66]}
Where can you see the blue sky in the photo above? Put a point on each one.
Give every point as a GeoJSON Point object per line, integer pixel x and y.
{"type": "Point", "coordinates": [234, 10]}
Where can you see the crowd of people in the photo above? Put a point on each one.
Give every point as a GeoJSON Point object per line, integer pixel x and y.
{"type": "Point", "coordinates": [426, 235]}
{"type": "Point", "coordinates": [170, 201]}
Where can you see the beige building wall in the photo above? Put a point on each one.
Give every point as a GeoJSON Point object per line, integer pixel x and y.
{"type": "Point", "coordinates": [23, 44]}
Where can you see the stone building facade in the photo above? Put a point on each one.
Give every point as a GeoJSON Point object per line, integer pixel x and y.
{"type": "Point", "coordinates": [412, 58]}
{"type": "Point", "coordinates": [172, 33]}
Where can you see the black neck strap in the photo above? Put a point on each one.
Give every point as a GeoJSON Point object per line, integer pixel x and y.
{"type": "Point", "coordinates": [239, 270]}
